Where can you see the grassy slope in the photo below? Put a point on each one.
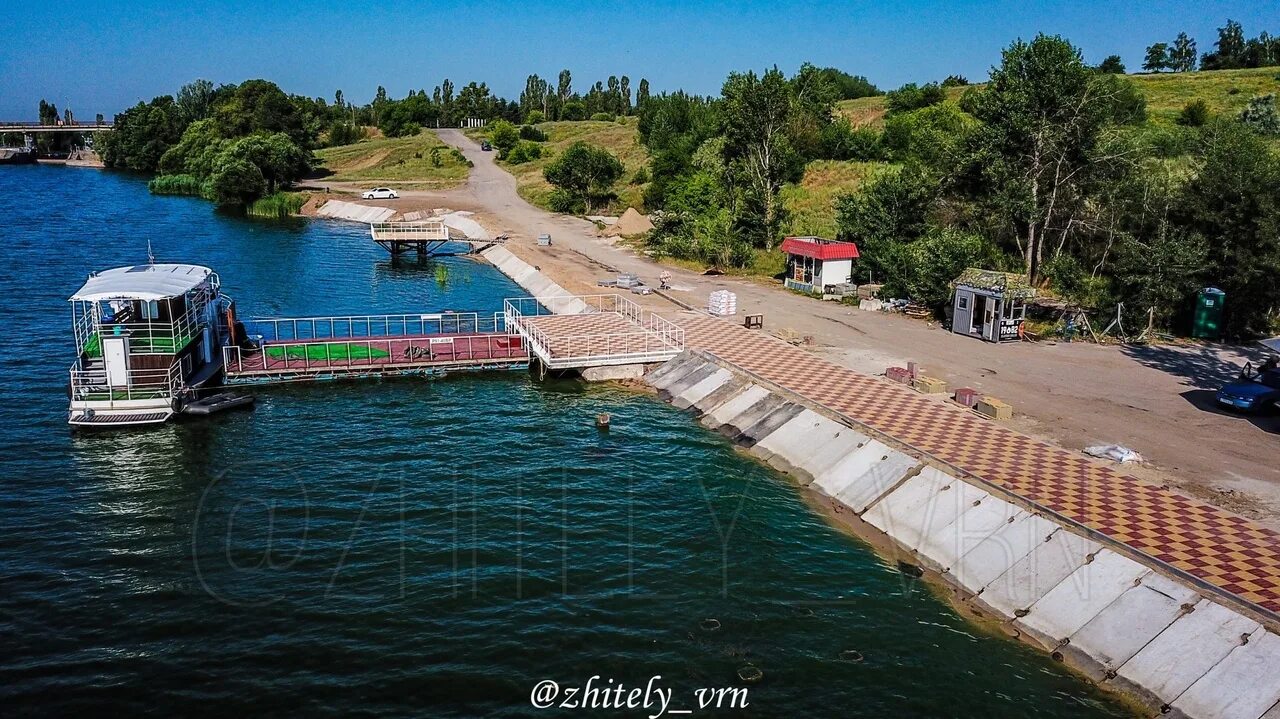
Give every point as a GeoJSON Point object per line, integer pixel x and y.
{"type": "Point", "coordinates": [396, 159]}
{"type": "Point", "coordinates": [620, 139]}
{"type": "Point", "coordinates": [1166, 93]}
{"type": "Point", "coordinates": [810, 201]}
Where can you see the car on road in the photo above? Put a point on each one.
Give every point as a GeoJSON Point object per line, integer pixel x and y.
{"type": "Point", "coordinates": [486, 146]}
{"type": "Point", "coordinates": [380, 193]}
{"type": "Point", "coordinates": [1253, 395]}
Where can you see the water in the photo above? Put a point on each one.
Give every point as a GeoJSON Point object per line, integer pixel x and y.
{"type": "Point", "coordinates": [412, 547]}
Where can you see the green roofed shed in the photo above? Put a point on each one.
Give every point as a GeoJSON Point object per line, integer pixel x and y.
{"type": "Point", "coordinates": [990, 305]}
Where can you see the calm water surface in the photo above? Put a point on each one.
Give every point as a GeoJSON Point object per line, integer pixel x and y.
{"type": "Point", "coordinates": [414, 547]}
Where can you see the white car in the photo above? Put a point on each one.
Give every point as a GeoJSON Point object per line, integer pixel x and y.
{"type": "Point", "coordinates": [380, 193]}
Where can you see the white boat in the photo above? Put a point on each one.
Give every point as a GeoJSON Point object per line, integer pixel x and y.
{"type": "Point", "coordinates": [146, 337]}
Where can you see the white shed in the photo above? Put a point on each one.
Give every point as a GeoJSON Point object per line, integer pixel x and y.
{"type": "Point", "coordinates": [814, 263]}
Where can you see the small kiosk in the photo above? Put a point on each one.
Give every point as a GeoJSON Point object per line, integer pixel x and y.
{"type": "Point", "coordinates": [814, 263]}
{"type": "Point", "coordinates": [990, 305]}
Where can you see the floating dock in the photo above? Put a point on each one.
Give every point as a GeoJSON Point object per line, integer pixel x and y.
{"type": "Point", "coordinates": [321, 348]}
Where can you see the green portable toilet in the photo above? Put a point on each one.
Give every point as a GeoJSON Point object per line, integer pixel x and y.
{"type": "Point", "coordinates": [1207, 323]}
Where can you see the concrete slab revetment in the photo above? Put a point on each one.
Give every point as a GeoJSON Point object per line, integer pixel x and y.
{"type": "Point", "coordinates": [1189, 648]}
{"type": "Point", "coordinates": [1244, 685]}
{"type": "Point", "coordinates": [1006, 546]}
{"type": "Point", "coordinates": [734, 406]}
{"type": "Point", "coordinates": [1037, 573]}
{"type": "Point", "coordinates": [1130, 623]}
{"type": "Point", "coordinates": [1081, 596]}
{"type": "Point", "coordinates": [698, 390]}
{"type": "Point", "coordinates": [931, 499]}
{"type": "Point", "coordinates": [868, 474]}
{"type": "Point", "coordinates": [763, 419]}
{"type": "Point", "coordinates": [946, 546]}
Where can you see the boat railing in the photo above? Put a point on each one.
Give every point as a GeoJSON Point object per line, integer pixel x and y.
{"type": "Point", "coordinates": [149, 336]}
{"type": "Point", "coordinates": [360, 326]}
{"type": "Point", "coordinates": [94, 385]}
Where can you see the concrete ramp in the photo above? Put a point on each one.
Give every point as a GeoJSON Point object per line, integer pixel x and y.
{"type": "Point", "coordinates": [340, 210]}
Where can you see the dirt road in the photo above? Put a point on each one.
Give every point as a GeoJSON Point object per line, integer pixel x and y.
{"type": "Point", "coordinates": [1156, 400]}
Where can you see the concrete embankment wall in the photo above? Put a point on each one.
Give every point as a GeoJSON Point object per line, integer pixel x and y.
{"type": "Point", "coordinates": [533, 281]}
{"type": "Point", "coordinates": [1125, 623]}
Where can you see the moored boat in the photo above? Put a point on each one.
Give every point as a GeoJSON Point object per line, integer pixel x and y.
{"type": "Point", "coordinates": [146, 337]}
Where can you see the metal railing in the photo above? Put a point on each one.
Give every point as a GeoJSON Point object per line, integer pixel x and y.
{"type": "Point", "coordinates": [648, 337]}
{"type": "Point", "coordinates": [276, 329]}
{"type": "Point", "coordinates": [388, 353]}
{"type": "Point", "coordinates": [412, 231]}
{"type": "Point", "coordinates": [93, 385]}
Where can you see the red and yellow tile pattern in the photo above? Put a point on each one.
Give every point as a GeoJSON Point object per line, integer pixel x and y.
{"type": "Point", "coordinates": [1222, 549]}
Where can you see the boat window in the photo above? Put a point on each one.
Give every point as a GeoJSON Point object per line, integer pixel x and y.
{"type": "Point", "coordinates": [151, 309]}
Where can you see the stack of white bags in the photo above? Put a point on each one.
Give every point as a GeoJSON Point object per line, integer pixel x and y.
{"type": "Point", "coordinates": [722, 303]}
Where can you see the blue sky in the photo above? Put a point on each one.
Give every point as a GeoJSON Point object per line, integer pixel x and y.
{"type": "Point", "coordinates": [103, 57]}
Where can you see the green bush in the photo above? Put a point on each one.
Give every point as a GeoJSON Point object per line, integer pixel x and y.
{"type": "Point", "coordinates": [529, 132]}
{"type": "Point", "coordinates": [641, 176]}
{"type": "Point", "coordinates": [566, 202]}
{"type": "Point", "coordinates": [344, 133]}
{"type": "Point", "coordinates": [1194, 114]}
{"type": "Point", "coordinates": [534, 117]}
{"type": "Point", "coordinates": [602, 117]}
{"type": "Point", "coordinates": [176, 185]}
{"type": "Point", "coordinates": [1262, 115]}
{"type": "Point", "coordinates": [504, 136]}
{"type": "Point", "coordinates": [524, 151]}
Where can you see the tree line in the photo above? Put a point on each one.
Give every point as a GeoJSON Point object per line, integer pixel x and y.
{"type": "Point", "coordinates": [1050, 169]}
{"type": "Point", "coordinates": [1231, 52]}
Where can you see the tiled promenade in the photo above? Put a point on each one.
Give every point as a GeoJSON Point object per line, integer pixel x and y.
{"type": "Point", "coordinates": [1222, 549]}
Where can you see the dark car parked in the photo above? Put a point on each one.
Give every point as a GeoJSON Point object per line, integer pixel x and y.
{"type": "Point", "coordinates": [1258, 394]}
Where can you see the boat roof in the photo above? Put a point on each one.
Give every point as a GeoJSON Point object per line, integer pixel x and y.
{"type": "Point", "coordinates": [142, 282]}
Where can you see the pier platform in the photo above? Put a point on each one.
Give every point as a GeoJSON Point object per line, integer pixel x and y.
{"type": "Point", "coordinates": [584, 331]}
{"type": "Point", "coordinates": [320, 348]}
{"type": "Point", "coordinates": [427, 238]}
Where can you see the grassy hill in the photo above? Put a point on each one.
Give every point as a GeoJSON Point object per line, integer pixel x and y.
{"type": "Point", "coordinates": [421, 161]}
{"type": "Point", "coordinates": [809, 202]}
{"type": "Point", "coordinates": [1224, 91]}
{"type": "Point", "coordinates": [620, 138]}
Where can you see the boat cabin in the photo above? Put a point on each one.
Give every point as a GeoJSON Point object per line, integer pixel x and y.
{"type": "Point", "coordinates": [815, 264]}
{"type": "Point", "coordinates": [145, 335]}
{"type": "Point", "coordinates": [990, 305]}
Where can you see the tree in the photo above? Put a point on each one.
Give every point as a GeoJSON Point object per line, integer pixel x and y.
{"type": "Point", "coordinates": [236, 182]}
{"type": "Point", "coordinates": [1157, 57]}
{"type": "Point", "coordinates": [584, 172]}
{"type": "Point", "coordinates": [142, 135]}
{"type": "Point", "coordinates": [642, 94]}
{"type": "Point", "coordinates": [955, 81]}
{"type": "Point", "coordinates": [195, 100]}
{"type": "Point", "coordinates": [1182, 58]}
{"type": "Point", "coordinates": [624, 86]}
{"type": "Point", "coordinates": [756, 112]}
{"type": "Point", "coordinates": [504, 136]}
{"type": "Point", "coordinates": [1231, 202]}
{"type": "Point", "coordinates": [48, 113]}
{"type": "Point", "coordinates": [913, 97]}
{"type": "Point", "coordinates": [1229, 51]}
{"type": "Point", "coordinates": [891, 209]}
{"type": "Point", "coordinates": [1112, 65]}
{"type": "Point", "coordinates": [1044, 140]}
{"type": "Point", "coordinates": [848, 87]}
